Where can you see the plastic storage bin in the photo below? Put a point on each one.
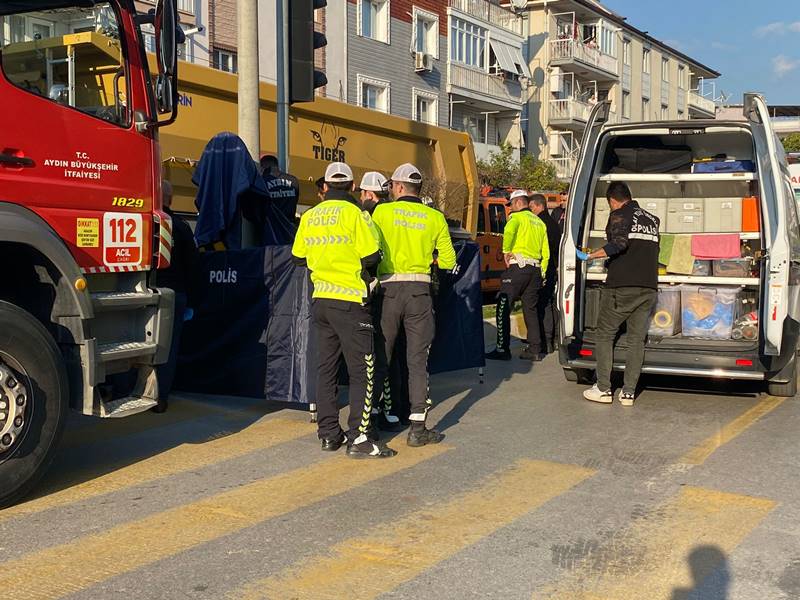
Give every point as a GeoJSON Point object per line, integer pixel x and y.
{"type": "Point", "coordinates": [707, 311]}
{"type": "Point", "coordinates": [685, 215]}
{"type": "Point", "coordinates": [666, 319]}
{"type": "Point", "coordinates": [722, 215]}
{"type": "Point", "coordinates": [750, 221]}
{"type": "Point", "coordinates": [656, 207]}
{"type": "Point", "coordinates": [732, 267]}
{"type": "Point", "coordinates": [601, 212]}
{"type": "Point", "coordinates": [702, 268]}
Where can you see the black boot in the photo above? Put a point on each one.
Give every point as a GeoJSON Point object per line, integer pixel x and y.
{"type": "Point", "coordinates": [384, 423]}
{"type": "Point", "coordinates": [368, 449]}
{"type": "Point", "coordinates": [498, 354]}
{"type": "Point", "coordinates": [420, 436]}
{"type": "Point", "coordinates": [332, 444]}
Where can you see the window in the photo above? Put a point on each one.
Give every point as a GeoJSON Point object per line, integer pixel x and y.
{"type": "Point", "coordinates": [665, 69]}
{"type": "Point", "coordinates": [680, 115]}
{"type": "Point", "coordinates": [475, 125]}
{"type": "Point", "coordinates": [186, 6]}
{"type": "Point", "coordinates": [664, 112]}
{"type": "Point", "coordinates": [467, 43]}
{"type": "Point", "coordinates": [645, 109]}
{"type": "Point", "coordinates": [225, 60]}
{"type": "Point", "coordinates": [426, 105]}
{"type": "Point", "coordinates": [646, 61]}
{"type": "Point", "coordinates": [426, 32]}
{"type": "Point", "coordinates": [608, 39]}
{"type": "Point", "coordinates": [681, 77]}
{"type": "Point", "coordinates": [373, 19]}
{"type": "Point", "coordinates": [626, 52]}
{"type": "Point", "coordinates": [497, 218]}
{"type": "Point", "coordinates": [373, 93]}
{"type": "Point", "coordinates": [481, 220]}
{"type": "Point", "coordinates": [93, 83]}
{"type": "Point", "coordinates": [626, 105]}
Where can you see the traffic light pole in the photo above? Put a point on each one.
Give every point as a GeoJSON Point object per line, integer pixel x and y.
{"type": "Point", "coordinates": [282, 43]}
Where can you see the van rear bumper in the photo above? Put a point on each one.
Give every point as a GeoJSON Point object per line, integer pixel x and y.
{"type": "Point", "coordinates": [711, 372]}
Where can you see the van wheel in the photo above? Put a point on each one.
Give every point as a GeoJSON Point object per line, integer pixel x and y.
{"type": "Point", "coordinates": [785, 390]}
{"type": "Point", "coordinates": [33, 401]}
{"type": "Point", "coordinates": [579, 376]}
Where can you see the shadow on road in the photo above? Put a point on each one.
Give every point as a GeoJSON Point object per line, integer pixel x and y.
{"type": "Point", "coordinates": [710, 574]}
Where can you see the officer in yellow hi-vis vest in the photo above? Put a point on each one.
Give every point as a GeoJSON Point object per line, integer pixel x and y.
{"type": "Point", "coordinates": [526, 254]}
{"type": "Point", "coordinates": [336, 243]}
{"type": "Point", "coordinates": [411, 232]}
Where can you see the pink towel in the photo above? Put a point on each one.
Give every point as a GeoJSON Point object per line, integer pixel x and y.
{"type": "Point", "coordinates": [712, 247]}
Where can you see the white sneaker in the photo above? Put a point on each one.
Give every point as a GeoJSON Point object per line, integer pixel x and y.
{"type": "Point", "coordinates": [626, 398]}
{"type": "Point", "coordinates": [595, 394]}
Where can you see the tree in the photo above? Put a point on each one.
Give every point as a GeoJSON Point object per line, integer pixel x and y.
{"type": "Point", "coordinates": [791, 142]}
{"type": "Point", "coordinates": [501, 170]}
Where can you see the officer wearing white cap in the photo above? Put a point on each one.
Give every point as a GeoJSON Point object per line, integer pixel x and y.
{"type": "Point", "coordinates": [526, 252]}
{"type": "Point", "coordinates": [411, 232]}
{"type": "Point", "coordinates": [374, 188]}
{"type": "Point", "coordinates": [336, 242]}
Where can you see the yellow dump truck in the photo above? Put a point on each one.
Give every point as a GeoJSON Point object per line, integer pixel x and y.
{"type": "Point", "coordinates": [321, 132]}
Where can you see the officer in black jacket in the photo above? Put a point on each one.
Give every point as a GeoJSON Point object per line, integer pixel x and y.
{"type": "Point", "coordinates": [630, 291]}
{"type": "Point", "coordinates": [546, 305]}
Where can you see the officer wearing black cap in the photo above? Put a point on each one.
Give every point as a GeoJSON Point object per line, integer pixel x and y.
{"type": "Point", "coordinates": [337, 243]}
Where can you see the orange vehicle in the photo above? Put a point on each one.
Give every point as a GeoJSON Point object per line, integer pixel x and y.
{"type": "Point", "coordinates": [492, 217]}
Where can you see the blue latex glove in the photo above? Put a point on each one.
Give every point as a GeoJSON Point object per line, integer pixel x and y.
{"type": "Point", "coordinates": [188, 314]}
{"type": "Point", "coordinates": [581, 254]}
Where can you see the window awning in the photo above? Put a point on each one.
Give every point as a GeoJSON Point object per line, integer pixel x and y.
{"type": "Point", "coordinates": [510, 58]}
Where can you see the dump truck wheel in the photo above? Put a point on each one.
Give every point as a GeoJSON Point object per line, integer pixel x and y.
{"type": "Point", "coordinates": [33, 401]}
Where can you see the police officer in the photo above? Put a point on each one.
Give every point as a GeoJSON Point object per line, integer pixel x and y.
{"type": "Point", "coordinates": [283, 189]}
{"type": "Point", "coordinates": [527, 254]}
{"type": "Point", "coordinates": [411, 233]}
{"type": "Point", "coordinates": [337, 244]}
{"type": "Point", "coordinates": [374, 188]}
{"type": "Point", "coordinates": [546, 303]}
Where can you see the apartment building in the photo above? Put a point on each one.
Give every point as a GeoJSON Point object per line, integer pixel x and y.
{"type": "Point", "coordinates": [581, 53]}
{"type": "Point", "coordinates": [452, 63]}
{"type": "Point", "coordinates": [194, 20]}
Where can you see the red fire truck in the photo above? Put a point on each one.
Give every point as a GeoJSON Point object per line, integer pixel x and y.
{"type": "Point", "coordinates": [81, 226]}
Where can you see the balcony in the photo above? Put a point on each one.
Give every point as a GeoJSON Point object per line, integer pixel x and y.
{"type": "Point", "coordinates": [565, 167]}
{"type": "Point", "coordinates": [489, 13]}
{"type": "Point", "coordinates": [572, 54]}
{"type": "Point", "coordinates": [485, 151]}
{"type": "Point", "coordinates": [569, 113]}
{"type": "Point", "coordinates": [701, 106]}
{"type": "Point", "coordinates": [477, 84]}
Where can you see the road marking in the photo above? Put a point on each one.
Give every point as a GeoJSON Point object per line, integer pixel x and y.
{"type": "Point", "coordinates": [66, 569]}
{"type": "Point", "coordinates": [700, 453]}
{"type": "Point", "coordinates": [392, 554]}
{"type": "Point", "coordinates": [650, 560]}
{"type": "Point", "coordinates": [186, 457]}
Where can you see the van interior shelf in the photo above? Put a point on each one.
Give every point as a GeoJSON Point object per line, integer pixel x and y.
{"type": "Point", "coordinates": [745, 235]}
{"type": "Point", "coordinates": [677, 177]}
{"type": "Point", "coordinates": [695, 279]}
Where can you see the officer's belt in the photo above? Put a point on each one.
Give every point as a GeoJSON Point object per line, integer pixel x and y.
{"type": "Point", "coordinates": [521, 261]}
{"type": "Point", "coordinates": [398, 277]}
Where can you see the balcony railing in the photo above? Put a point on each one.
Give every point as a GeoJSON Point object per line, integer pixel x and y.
{"type": "Point", "coordinates": [490, 13]}
{"type": "Point", "coordinates": [568, 50]}
{"type": "Point", "coordinates": [569, 110]}
{"type": "Point", "coordinates": [565, 167]}
{"type": "Point", "coordinates": [492, 86]}
{"type": "Point", "coordinates": [699, 102]}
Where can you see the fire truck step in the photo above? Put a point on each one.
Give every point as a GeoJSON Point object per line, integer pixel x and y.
{"type": "Point", "coordinates": [125, 407]}
{"type": "Point", "coordinates": [105, 301]}
{"type": "Point", "coordinates": [125, 350]}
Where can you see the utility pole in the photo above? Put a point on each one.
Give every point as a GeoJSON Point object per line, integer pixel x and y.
{"type": "Point", "coordinates": [282, 44]}
{"type": "Point", "coordinates": [249, 117]}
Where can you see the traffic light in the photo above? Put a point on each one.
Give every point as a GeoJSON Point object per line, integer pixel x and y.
{"type": "Point", "coordinates": [303, 41]}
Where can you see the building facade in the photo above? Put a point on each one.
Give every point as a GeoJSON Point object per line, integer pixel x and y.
{"type": "Point", "coordinates": [581, 53]}
{"type": "Point", "coordinates": [194, 19]}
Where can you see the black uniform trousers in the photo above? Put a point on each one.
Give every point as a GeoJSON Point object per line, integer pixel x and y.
{"type": "Point", "coordinates": [408, 307]}
{"type": "Point", "coordinates": [344, 328]}
{"type": "Point", "coordinates": [519, 283]}
{"type": "Point", "coordinates": [546, 307]}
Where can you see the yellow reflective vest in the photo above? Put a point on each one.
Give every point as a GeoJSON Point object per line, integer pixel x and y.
{"type": "Point", "coordinates": [525, 234]}
{"type": "Point", "coordinates": [410, 232]}
{"type": "Point", "coordinates": [333, 237]}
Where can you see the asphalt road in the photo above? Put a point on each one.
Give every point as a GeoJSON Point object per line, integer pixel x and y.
{"type": "Point", "coordinates": [535, 493]}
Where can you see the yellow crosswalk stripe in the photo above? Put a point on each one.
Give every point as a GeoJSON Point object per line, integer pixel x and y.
{"type": "Point", "coordinates": [187, 457]}
{"type": "Point", "coordinates": [700, 453]}
{"type": "Point", "coordinates": [66, 569]}
{"type": "Point", "coordinates": [651, 559]}
{"type": "Point", "coordinates": [368, 567]}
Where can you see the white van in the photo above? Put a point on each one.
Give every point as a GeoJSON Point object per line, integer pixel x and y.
{"type": "Point", "coordinates": [726, 319]}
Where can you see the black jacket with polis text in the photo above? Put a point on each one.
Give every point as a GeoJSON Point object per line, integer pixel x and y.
{"type": "Point", "coordinates": [632, 247]}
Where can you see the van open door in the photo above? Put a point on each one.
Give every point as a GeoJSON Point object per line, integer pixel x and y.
{"type": "Point", "coordinates": [775, 295]}
{"type": "Point", "coordinates": [578, 196]}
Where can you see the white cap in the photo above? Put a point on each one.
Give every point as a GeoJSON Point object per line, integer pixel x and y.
{"type": "Point", "coordinates": [338, 172]}
{"type": "Point", "coordinates": [407, 173]}
{"type": "Point", "coordinates": [372, 181]}
{"type": "Point", "coordinates": [518, 194]}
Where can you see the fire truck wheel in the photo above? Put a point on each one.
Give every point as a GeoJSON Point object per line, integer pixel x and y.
{"type": "Point", "coordinates": [34, 398]}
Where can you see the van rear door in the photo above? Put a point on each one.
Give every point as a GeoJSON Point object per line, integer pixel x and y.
{"type": "Point", "coordinates": [775, 222]}
{"type": "Point", "coordinates": [578, 196]}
